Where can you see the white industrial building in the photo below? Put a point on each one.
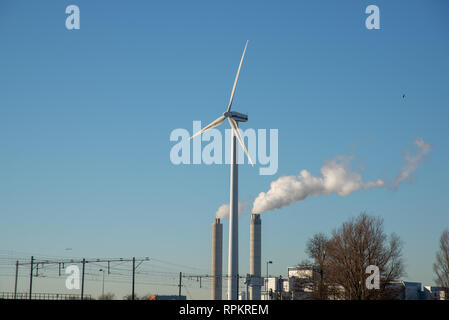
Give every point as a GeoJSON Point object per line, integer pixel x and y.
{"type": "Point", "coordinates": [298, 285]}
{"type": "Point", "coordinates": [407, 290]}
{"type": "Point", "coordinates": [301, 280]}
{"type": "Point", "coordinates": [415, 291]}
{"type": "Point", "coordinates": [434, 293]}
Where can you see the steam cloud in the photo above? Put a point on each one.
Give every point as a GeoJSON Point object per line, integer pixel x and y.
{"type": "Point", "coordinates": [223, 211]}
{"type": "Point", "coordinates": [412, 162]}
{"type": "Point", "coordinates": [336, 177]}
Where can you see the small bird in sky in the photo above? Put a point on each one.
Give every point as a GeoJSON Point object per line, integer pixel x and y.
{"type": "Point", "coordinates": [403, 96]}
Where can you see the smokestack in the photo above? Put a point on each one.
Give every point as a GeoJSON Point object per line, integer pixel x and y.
{"type": "Point", "coordinates": [255, 256]}
{"type": "Point", "coordinates": [217, 260]}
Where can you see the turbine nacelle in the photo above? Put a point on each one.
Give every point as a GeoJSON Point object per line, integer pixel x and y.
{"type": "Point", "coordinates": [237, 116]}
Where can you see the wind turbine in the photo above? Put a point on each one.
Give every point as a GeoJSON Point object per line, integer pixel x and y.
{"type": "Point", "coordinates": [234, 118]}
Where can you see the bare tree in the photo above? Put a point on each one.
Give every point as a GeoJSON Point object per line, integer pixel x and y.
{"type": "Point", "coordinates": [354, 246]}
{"type": "Point", "coordinates": [316, 249]}
{"type": "Point", "coordinates": [137, 297]}
{"type": "Point", "coordinates": [107, 296]}
{"type": "Point", "coordinates": [441, 266]}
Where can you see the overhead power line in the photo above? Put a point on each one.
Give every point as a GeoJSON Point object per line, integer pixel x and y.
{"type": "Point", "coordinates": [34, 265]}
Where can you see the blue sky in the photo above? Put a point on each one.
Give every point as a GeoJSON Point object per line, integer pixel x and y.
{"type": "Point", "coordinates": [86, 115]}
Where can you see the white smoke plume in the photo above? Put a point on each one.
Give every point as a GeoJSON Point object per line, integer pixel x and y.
{"type": "Point", "coordinates": [223, 211]}
{"type": "Point", "coordinates": [412, 162]}
{"type": "Point", "coordinates": [336, 177]}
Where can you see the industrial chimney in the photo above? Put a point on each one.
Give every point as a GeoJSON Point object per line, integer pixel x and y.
{"type": "Point", "coordinates": [217, 260]}
{"type": "Point", "coordinates": [255, 257]}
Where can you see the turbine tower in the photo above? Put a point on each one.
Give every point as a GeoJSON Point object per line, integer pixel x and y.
{"type": "Point", "coordinates": [234, 118]}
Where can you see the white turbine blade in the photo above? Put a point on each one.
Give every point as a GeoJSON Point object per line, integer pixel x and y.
{"type": "Point", "coordinates": [211, 125]}
{"type": "Point", "coordinates": [236, 131]}
{"type": "Point", "coordinates": [236, 78]}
